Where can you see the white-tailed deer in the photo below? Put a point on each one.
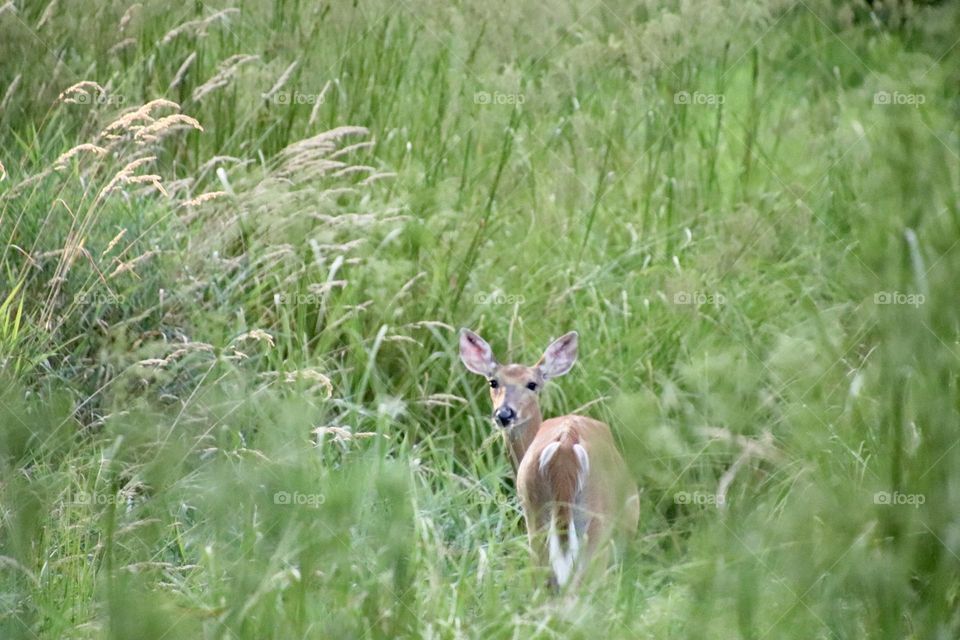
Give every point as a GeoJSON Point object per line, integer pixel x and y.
{"type": "Point", "coordinates": [576, 492]}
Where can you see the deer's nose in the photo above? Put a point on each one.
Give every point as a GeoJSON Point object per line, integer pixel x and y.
{"type": "Point", "coordinates": [505, 415]}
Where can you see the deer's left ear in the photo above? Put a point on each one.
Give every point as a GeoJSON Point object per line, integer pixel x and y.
{"type": "Point", "coordinates": [559, 357]}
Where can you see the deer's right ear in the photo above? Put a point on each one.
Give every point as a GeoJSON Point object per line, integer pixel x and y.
{"type": "Point", "coordinates": [559, 356]}
{"type": "Point", "coordinates": [476, 354]}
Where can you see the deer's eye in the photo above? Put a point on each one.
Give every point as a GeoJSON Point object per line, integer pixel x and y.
{"type": "Point", "coordinates": [532, 386]}
{"type": "Point", "coordinates": [494, 384]}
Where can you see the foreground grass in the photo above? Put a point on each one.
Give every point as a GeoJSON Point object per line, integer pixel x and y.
{"type": "Point", "coordinates": [241, 414]}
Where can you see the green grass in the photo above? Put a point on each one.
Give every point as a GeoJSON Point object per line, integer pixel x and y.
{"type": "Point", "coordinates": [721, 199]}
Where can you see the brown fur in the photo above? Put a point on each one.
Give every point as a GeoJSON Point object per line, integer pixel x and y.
{"type": "Point", "coordinates": [562, 475]}
{"type": "Point", "coordinates": [609, 499]}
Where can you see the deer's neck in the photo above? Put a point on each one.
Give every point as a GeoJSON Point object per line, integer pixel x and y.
{"type": "Point", "coordinates": [521, 437]}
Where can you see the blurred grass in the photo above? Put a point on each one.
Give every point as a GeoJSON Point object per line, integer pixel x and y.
{"type": "Point", "coordinates": [244, 416]}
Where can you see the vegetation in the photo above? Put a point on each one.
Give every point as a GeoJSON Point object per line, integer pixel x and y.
{"type": "Point", "coordinates": [238, 240]}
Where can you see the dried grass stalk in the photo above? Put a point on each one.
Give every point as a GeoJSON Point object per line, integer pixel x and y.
{"type": "Point", "coordinates": [198, 27]}
{"type": "Point", "coordinates": [226, 71]}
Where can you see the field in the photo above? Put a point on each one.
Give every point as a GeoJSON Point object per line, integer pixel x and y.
{"type": "Point", "coordinates": [238, 239]}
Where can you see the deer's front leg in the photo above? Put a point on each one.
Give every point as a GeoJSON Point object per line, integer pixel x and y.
{"type": "Point", "coordinates": [537, 535]}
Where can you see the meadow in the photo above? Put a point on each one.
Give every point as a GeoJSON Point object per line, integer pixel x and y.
{"type": "Point", "coordinates": [238, 239]}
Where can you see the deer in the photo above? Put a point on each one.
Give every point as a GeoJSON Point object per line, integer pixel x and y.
{"type": "Point", "coordinates": [577, 495]}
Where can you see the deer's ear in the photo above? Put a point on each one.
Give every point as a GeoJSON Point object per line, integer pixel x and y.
{"type": "Point", "coordinates": [559, 357]}
{"type": "Point", "coordinates": [476, 354]}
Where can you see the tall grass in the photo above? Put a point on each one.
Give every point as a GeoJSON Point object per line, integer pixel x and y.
{"type": "Point", "coordinates": [238, 241]}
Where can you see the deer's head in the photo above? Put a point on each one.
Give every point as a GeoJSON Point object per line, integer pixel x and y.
{"type": "Point", "coordinates": [515, 388]}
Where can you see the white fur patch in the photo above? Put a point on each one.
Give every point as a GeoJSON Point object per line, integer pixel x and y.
{"type": "Point", "coordinates": [584, 461]}
{"type": "Point", "coordinates": [562, 561]}
{"type": "Point", "coordinates": [547, 454]}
